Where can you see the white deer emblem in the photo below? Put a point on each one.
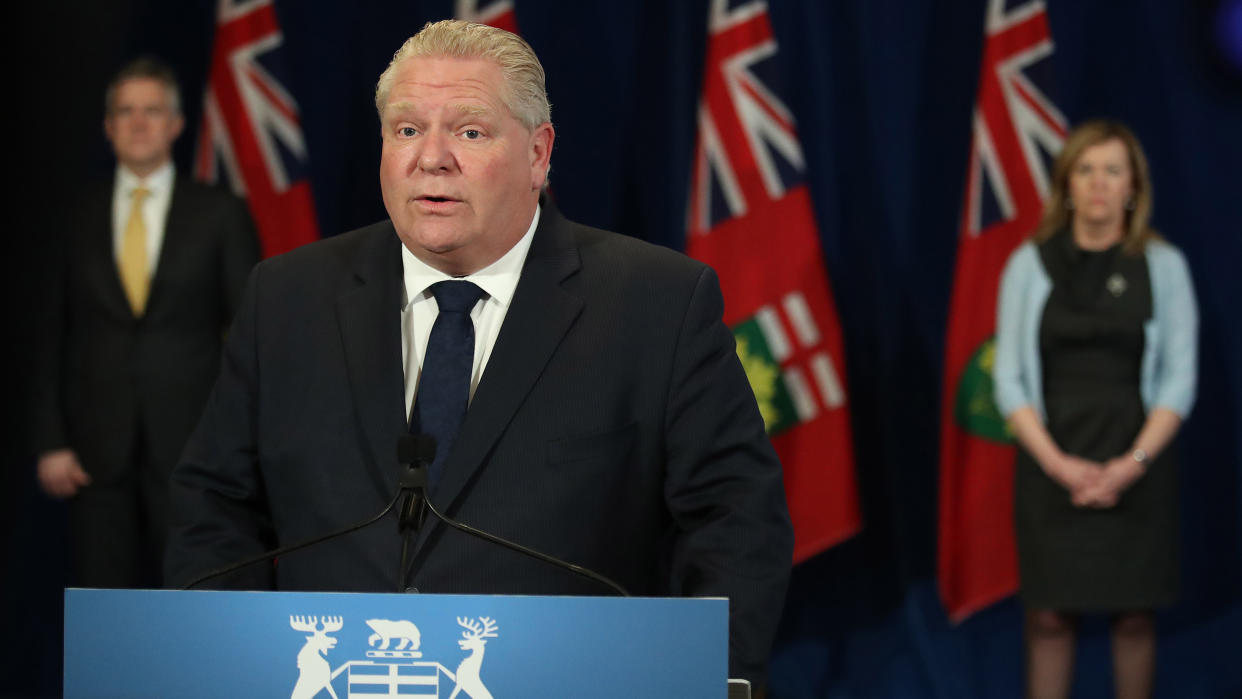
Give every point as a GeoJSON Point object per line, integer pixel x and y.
{"type": "Point", "coordinates": [467, 676]}
{"type": "Point", "coordinates": [314, 672]}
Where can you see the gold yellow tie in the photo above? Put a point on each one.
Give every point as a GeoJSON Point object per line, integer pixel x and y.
{"type": "Point", "coordinates": [135, 272]}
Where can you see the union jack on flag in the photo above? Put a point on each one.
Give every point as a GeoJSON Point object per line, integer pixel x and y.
{"type": "Point", "coordinates": [497, 13]}
{"type": "Point", "coordinates": [1017, 128]}
{"type": "Point", "coordinates": [750, 218]}
{"type": "Point", "coordinates": [1017, 132]}
{"type": "Point", "coordinates": [748, 149]}
{"type": "Point", "coordinates": [251, 128]}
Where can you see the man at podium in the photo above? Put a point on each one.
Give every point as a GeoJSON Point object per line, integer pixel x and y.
{"type": "Point", "coordinates": [583, 394]}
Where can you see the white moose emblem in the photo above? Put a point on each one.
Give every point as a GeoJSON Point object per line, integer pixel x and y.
{"type": "Point", "coordinates": [467, 677]}
{"type": "Point", "coordinates": [314, 672]}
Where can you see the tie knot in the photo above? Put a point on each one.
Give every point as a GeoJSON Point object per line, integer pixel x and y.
{"type": "Point", "coordinates": [456, 297]}
{"type": "Point", "coordinates": [139, 194]}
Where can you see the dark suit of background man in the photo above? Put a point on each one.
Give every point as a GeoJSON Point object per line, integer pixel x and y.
{"type": "Point", "coordinates": [148, 271]}
{"type": "Point", "coordinates": [611, 423]}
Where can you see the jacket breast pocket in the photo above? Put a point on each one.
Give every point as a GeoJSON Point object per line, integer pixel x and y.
{"type": "Point", "coordinates": [613, 446]}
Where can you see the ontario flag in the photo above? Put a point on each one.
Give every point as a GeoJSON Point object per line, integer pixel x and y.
{"type": "Point", "coordinates": [497, 13]}
{"type": "Point", "coordinates": [1016, 135]}
{"type": "Point", "coordinates": [750, 218]}
{"type": "Point", "coordinates": [251, 132]}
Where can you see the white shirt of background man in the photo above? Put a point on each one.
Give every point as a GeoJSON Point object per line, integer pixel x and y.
{"type": "Point", "coordinates": [154, 209]}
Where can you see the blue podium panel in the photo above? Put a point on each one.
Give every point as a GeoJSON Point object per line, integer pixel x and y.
{"type": "Point", "coordinates": [316, 645]}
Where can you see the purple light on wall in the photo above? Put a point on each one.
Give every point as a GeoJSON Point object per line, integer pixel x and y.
{"type": "Point", "coordinates": [1229, 31]}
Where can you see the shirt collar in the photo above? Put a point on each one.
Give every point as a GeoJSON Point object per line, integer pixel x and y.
{"type": "Point", "coordinates": [158, 182]}
{"type": "Point", "coordinates": [498, 280]}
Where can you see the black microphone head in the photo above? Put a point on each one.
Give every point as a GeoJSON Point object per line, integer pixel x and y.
{"type": "Point", "coordinates": [416, 449]}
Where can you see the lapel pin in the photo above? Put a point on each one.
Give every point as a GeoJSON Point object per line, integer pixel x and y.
{"type": "Point", "coordinates": [1116, 284]}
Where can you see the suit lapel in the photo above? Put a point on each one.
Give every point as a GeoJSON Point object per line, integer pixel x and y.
{"type": "Point", "coordinates": [100, 259]}
{"type": "Point", "coordinates": [178, 226]}
{"type": "Point", "coordinates": [369, 318]}
{"type": "Point", "coordinates": [540, 315]}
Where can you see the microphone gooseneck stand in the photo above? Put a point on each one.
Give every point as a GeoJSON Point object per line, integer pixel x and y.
{"type": "Point", "coordinates": [419, 450]}
{"type": "Point", "coordinates": [416, 451]}
{"type": "Point", "coordinates": [267, 555]}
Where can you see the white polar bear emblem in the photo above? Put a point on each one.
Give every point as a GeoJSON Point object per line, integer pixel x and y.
{"type": "Point", "coordinates": [387, 629]}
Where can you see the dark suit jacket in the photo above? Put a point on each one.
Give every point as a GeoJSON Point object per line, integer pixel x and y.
{"type": "Point", "coordinates": [613, 427]}
{"type": "Point", "coordinates": [105, 376]}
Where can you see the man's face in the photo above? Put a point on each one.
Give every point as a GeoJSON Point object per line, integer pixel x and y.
{"type": "Point", "coordinates": [460, 174]}
{"type": "Point", "coordinates": [142, 125]}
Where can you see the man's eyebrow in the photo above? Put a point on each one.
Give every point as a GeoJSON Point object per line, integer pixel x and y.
{"type": "Point", "coordinates": [472, 109]}
{"type": "Point", "coordinates": [398, 107]}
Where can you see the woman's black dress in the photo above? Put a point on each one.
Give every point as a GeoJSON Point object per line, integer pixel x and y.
{"type": "Point", "coordinates": [1091, 347]}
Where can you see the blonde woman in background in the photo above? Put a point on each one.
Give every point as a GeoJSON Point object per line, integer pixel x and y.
{"type": "Point", "coordinates": [1095, 370]}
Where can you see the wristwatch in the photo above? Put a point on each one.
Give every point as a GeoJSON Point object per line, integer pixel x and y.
{"type": "Point", "coordinates": [1139, 456]}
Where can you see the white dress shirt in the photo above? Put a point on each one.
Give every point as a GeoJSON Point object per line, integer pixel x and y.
{"type": "Point", "coordinates": [419, 310]}
{"type": "Point", "coordinates": [154, 209]}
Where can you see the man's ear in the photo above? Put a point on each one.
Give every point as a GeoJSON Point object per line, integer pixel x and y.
{"type": "Point", "coordinates": [541, 153]}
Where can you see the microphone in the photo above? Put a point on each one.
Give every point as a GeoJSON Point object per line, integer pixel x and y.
{"type": "Point", "coordinates": [416, 452]}
{"type": "Point", "coordinates": [421, 450]}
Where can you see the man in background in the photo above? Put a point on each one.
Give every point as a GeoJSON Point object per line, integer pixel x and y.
{"type": "Point", "coordinates": [147, 272]}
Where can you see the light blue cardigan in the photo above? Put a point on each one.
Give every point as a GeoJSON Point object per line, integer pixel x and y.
{"type": "Point", "coordinates": [1170, 352]}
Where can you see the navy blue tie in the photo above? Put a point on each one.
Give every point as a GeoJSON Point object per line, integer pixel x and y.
{"type": "Point", "coordinates": [444, 386]}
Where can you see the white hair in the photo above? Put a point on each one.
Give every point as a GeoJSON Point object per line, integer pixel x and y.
{"type": "Point", "coordinates": [523, 91]}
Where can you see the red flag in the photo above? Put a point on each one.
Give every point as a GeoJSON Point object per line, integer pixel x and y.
{"type": "Point", "coordinates": [498, 13]}
{"type": "Point", "coordinates": [1017, 133]}
{"type": "Point", "coordinates": [750, 218]}
{"type": "Point", "coordinates": [251, 127]}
